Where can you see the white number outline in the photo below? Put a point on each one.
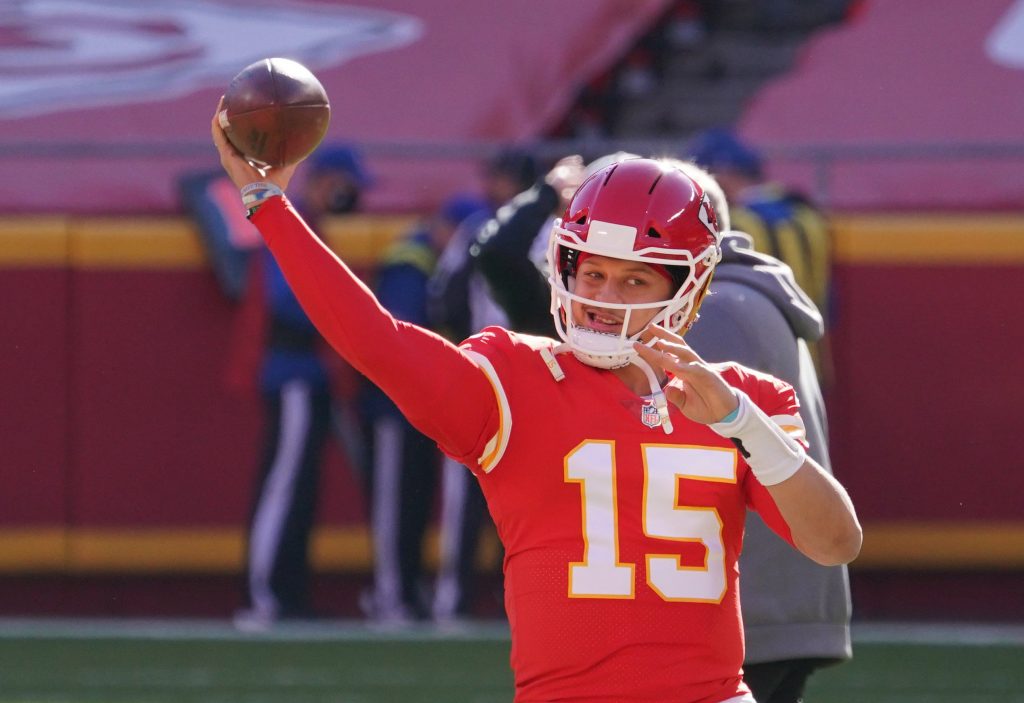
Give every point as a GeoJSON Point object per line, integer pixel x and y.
{"type": "Point", "coordinates": [601, 573]}
{"type": "Point", "coordinates": [604, 577]}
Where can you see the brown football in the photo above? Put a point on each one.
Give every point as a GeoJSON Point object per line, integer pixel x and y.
{"type": "Point", "coordinates": [275, 112]}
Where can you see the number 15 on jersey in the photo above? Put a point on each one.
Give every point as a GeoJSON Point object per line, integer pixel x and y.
{"type": "Point", "coordinates": [665, 516]}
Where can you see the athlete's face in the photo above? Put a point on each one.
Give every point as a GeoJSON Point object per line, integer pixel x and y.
{"type": "Point", "coordinates": [617, 281]}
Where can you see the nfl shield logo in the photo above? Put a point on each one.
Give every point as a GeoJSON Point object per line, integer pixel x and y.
{"type": "Point", "coordinates": [649, 414]}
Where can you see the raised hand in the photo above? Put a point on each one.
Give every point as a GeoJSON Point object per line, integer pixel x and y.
{"type": "Point", "coordinates": [698, 391]}
{"type": "Point", "coordinates": [565, 177]}
{"type": "Point", "coordinates": [240, 171]}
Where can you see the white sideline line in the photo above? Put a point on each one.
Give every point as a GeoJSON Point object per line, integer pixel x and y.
{"type": "Point", "coordinates": [222, 630]}
{"type": "Point", "coordinates": [979, 634]}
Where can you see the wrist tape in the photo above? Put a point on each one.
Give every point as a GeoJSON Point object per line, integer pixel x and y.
{"type": "Point", "coordinates": [772, 455]}
{"type": "Point", "coordinates": [255, 194]}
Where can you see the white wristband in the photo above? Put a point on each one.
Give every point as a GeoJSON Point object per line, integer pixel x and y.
{"type": "Point", "coordinates": [772, 455]}
{"type": "Point", "coordinates": [254, 194]}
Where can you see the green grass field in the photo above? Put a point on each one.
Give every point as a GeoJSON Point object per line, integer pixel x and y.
{"type": "Point", "coordinates": [183, 662]}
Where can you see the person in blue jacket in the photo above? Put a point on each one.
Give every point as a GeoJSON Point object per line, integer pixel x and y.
{"type": "Point", "coordinates": [295, 385]}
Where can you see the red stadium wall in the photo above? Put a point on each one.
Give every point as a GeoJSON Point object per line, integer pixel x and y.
{"type": "Point", "coordinates": [124, 454]}
{"type": "Point", "coordinates": [123, 448]}
{"type": "Point", "coordinates": [927, 342]}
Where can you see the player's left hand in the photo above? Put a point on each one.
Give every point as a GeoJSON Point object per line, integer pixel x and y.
{"type": "Point", "coordinates": [698, 390]}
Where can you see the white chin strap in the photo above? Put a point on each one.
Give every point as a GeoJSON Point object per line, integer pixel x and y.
{"type": "Point", "coordinates": [602, 351]}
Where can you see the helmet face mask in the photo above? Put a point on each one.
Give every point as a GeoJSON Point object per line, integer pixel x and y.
{"type": "Point", "coordinates": [637, 210]}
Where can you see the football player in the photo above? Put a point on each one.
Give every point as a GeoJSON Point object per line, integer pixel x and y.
{"type": "Point", "coordinates": [616, 464]}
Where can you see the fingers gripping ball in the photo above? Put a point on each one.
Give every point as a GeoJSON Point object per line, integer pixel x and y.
{"type": "Point", "coordinates": [275, 112]}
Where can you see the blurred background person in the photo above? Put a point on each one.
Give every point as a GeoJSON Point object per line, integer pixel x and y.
{"type": "Point", "coordinates": [403, 463]}
{"type": "Point", "coordinates": [507, 288]}
{"type": "Point", "coordinates": [277, 351]}
{"type": "Point", "coordinates": [796, 613]}
{"type": "Point", "coordinates": [506, 250]}
{"type": "Point", "coordinates": [457, 306]}
{"type": "Point", "coordinates": [460, 306]}
{"type": "Point", "coordinates": [511, 249]}
{"type": "Point", "coordinates": [295, 383]}
{"type": "Point", "coordinates": [782, 222]}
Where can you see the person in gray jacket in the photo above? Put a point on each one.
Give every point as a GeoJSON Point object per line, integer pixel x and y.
{"type": "Point", "coordinates": [796, 614]}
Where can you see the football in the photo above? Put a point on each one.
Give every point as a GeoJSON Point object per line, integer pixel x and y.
{"type": "Point", "coordinates": [275, 112]}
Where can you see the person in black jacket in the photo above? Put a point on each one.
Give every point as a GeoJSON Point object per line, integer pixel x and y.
{"type": "Point", "coordinates": [504, 286]}
{"type": "Point", "coordinates": [459, 306]}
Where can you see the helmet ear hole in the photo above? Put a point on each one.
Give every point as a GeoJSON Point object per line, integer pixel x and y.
{"type": "Point", "coordinates": [679, 275]}
{"type": "Point", "coordinates": [653, 233]}
{"type": "Point", "coordinates": [568, 258]}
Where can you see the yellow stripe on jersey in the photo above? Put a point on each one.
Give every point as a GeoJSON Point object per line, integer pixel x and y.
{"type": "Point", "coordinates": [495, 447]}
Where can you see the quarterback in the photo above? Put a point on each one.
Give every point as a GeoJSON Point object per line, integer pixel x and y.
{"type": "Point", "coordinates": [617, 465]}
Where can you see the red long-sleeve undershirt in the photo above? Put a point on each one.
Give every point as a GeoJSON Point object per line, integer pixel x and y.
{"type": "Point", "coordinates": [437, 386]}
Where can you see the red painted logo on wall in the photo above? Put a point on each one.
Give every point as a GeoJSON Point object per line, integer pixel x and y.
{"type": "Point", "coordinates": [57, 55]}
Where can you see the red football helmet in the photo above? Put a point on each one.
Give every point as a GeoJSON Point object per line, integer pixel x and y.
{"type": "Point", "coordinates": [641, 210]}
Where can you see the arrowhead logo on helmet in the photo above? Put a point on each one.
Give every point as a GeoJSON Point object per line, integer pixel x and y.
{"type": "Point", "coordinates": [707, 216]}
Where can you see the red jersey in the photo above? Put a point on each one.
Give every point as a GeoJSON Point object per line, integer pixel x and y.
{"type": "Point", "coordinates": [621, 542]}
